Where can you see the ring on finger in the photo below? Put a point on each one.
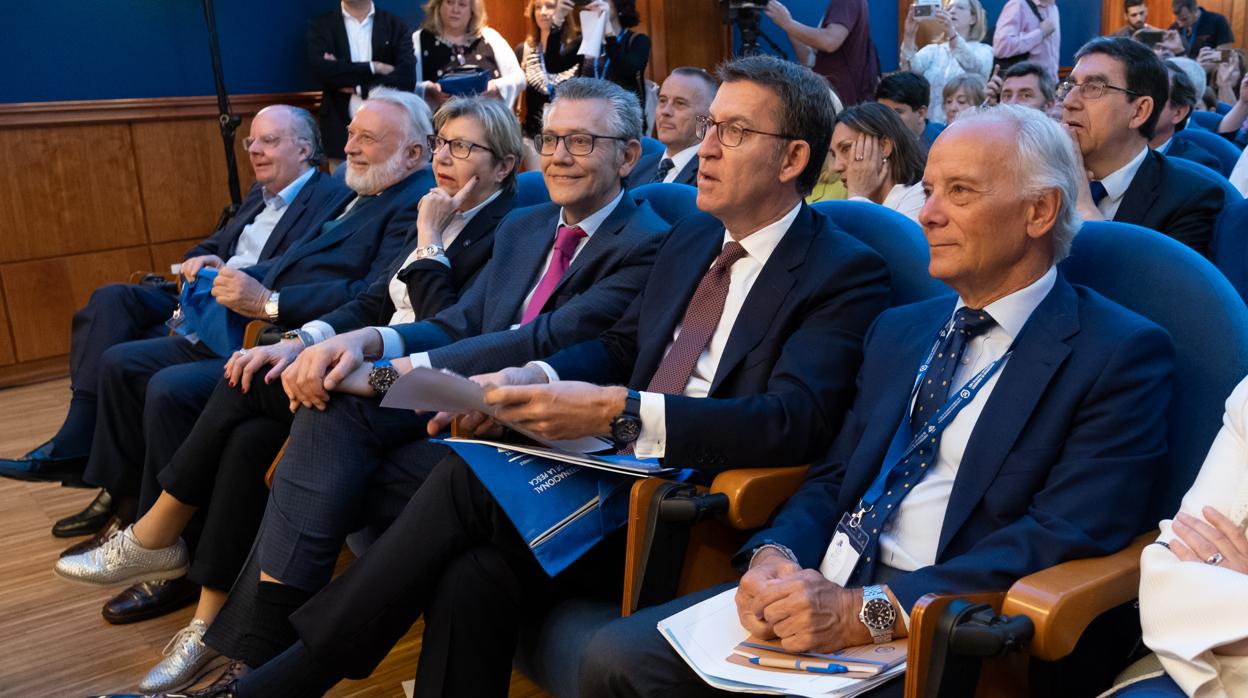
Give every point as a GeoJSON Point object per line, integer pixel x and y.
{"type": "Point", "coordinates": [242, 352]}
{"type": "Point", "coordinates": [1214, 559]}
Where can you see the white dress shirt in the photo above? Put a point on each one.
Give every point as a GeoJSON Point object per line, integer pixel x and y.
{"type": "Point", "coordinates": [910, 538]}
{"type": "Point", "coordinates": [1239, 175]}
{"type": "Point", "coordinates": [679, 160]}
{"type": "Point", "coordinates": [1117, 182]}
{"type": "Point", "coordinates": [906, 200]}
{"type": "Point", "coordinates": [360, 42]}
{"type": "Point", "coordinates": [256, 234]}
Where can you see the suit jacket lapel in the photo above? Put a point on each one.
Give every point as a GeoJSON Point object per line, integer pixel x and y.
{"type": "Point", "coordinates": [1039, 351]}
{"type": "Point", "coordinates": [342, 47]}
{"type": "Point", "coordinates": [1142, 193]}
{"type": "Point", "coordinates": [601, 243]}
{"type": "Point", "coordinates": [524, 264]}
{"type": "Point", "coordinates": [485, 219]}
{"type": "Point", "coordinates": [688, 174]}
{"type": "Point", "coordinates": [246, 214]}
{"type": "Point", "coordinates": [294, 210]}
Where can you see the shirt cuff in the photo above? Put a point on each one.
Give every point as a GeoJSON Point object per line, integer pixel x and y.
{"type": "Point", "coordinates": [420, 360]}
{"type": "Point", "coordinates": [391, 342]}
{"type": "Point", "coordinates": [551, 374]}
{"type": "Point", "coordinates": [442, 258]}
{"type": "Point", "coordinates": [319, 330]}
{"type": "Point", "coordinates": [652, 442]}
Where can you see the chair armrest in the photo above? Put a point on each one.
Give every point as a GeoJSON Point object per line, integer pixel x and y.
{"type": "Point", "coordinates": [643, 502]}
{"type": "Point", "coordinates": [924, 624]}
{"type": "Point", "coordinates": [1062, 600]}
{"type": "Point", "coordinates": [754, 494]}
{"type": "Point", "coordinates": [251, 335]}
{"type": "Point", "coordinates": [268, 474]}
{"type": "Point", "coordinates": [138, 276]}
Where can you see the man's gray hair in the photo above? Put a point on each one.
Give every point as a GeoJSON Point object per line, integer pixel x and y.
{"type": "Point", "coordinates": [305, 128]}
{"type": "Point", "coordinates": [1194, 71]}
{"type": "Point", "coordinates": [419, 122]}
{"type": "Point", "coordinates": [624, 119]}
{"type": "Point", "coordinates": [1044, 160]}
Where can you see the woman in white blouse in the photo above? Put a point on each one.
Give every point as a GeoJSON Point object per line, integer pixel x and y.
{"type": "Point", "coordinates": [454, 36]}
{"type": "Point", "coordinates": [1194, 579]}
{"type": "Point", "coordinates": [878, 158]}
{"type": "Point", "coordinates": [959, 51]}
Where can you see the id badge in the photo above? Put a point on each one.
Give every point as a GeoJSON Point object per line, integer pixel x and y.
{"type": "Point", "coordinates": [843, 552]}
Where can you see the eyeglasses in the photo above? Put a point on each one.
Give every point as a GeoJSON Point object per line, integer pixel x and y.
{"type": "Point", "coordinates": [266, 141]}
{"type": "Point", "coordinates": [1092, 88]}
{"type": "Point", "coordinates": [460, 148]}
{"type": "Point", "coordinates": [729, 134]}
{"type": "Point", "coordinates": [576, 143]}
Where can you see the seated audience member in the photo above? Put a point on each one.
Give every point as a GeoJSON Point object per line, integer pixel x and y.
{"type": "Point", "coordinates": [1200, 80]}
{"type": "Point", "coordinates": [1030, 29]}
{"type": "Point", "coordinates": [1201, 638]}
{"type": "Point", "coordinates": [352, 49]}
{"type": "Point", "coordinates": [1136, 14]}
{"type": "Point", "coordinates": [962, 93]}
{"type": "Point", "coordinates": [704, 406]}
{"type": "Point", "coordinates": [1174, 116]}
{"type": "Point", "coordinates": [907, 94]}
{"type": "Point", "coordinates": [539, 81]}
{"type": "Point", "coordinates": [959, 51]}
{"type": "Point", "coordinates": [454, 38]}
{"type": "Point", "coordinates": [1028, 85]}
{"type": "Point", "coordinates": [152, 391]}
{"type": "Point", "coordinates": [1070, 406]}
{"type": "Point", "coordinates": [284, 148]}
{"type": "Point", "coordinates": [839, 48]}
{"type": "Point", "coordinates": [475, 153]}
{"type": "Point", "coordinates": [1199, 28]}
{"type": "Point", "coordinates": [878, 159]}
{"type": "Point", "coordinates": [1111, 104]}
{"type": "Point", "coordinates": [624, 54]}
{"type": "Point", "coordinates": [685, 95]}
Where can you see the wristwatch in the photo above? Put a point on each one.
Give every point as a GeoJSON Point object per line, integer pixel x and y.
{"type": "Point", "coordinates": [626, 426]}
{"type": "Point", "coordinates": [382, 376]}
{"type": "Point", "coordinates": [878, 614]}
{"type": "Point", "coordinates": [301, 335]}
{"type": "Point", "coordinates": [429, 251]}
{"type": "Point", "coordinates": [270, 306]}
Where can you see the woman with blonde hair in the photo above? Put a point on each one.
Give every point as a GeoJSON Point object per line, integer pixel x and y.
{"type": "Point", "coordinates": [959, 51]}
{"type": "Point", "coordinates": [962, 93]}
{"type": "Point", "coordinates": [454, 40]}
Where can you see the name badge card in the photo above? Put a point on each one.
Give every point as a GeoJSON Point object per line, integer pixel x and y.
{"type": "Point", "coordinates": [844, 551]}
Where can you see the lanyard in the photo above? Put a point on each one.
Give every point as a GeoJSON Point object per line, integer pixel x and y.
{"type": "Point", "coordinates": [541, 61]}
{"type": "Point", "coordinates": [934, 426]}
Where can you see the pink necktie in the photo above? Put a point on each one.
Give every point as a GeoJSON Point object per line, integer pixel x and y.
{"type": "Point", "coordinates": [565, 247]}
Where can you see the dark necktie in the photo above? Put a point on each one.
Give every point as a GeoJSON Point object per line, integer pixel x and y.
{"type": "Point", "coordinates": [665, 166]}
{"type": "Point", "coordinates": [701, 318]}
{"type": "Point", "coordinates": [566, 240]}
{"type": "Point", "coordinates": [1098, 192]}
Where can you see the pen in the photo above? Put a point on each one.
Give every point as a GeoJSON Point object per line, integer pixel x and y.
{"type": "Point", "coordinates": [800, 665]}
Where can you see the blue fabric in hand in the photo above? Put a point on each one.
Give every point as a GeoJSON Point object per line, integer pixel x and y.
{"type": "Point", "coordinates": [216, 326]}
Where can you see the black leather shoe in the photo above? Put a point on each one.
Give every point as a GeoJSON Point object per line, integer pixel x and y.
{"type": "Point", "coordinates": [89, 520]}
{"type": "Point", "coordinates": [111, 526]}
{"type": "Point", "coordinates": [39, 466]}
{"type": "Point", "coordinates": [150, 600]}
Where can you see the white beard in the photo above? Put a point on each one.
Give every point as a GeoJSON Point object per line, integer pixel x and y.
{"type": "Point", "coordinates": [377, 176]}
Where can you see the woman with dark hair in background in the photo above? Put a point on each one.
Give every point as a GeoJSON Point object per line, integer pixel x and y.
{"type": "Point", "coordinates": [879, 159]}
{"type": "Point", "coordinates": [540, 80]}
{"type": "Point", "coordinates": [624, 53]}
{"type": "Point", "coordinates": [455, 37]}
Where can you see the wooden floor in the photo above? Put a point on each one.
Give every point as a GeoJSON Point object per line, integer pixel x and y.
{"type": "Point", "coordinates": [53, 641]}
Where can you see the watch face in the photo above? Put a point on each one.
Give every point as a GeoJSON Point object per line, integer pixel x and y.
{"type": "Point", "coordinates": [625, 430]}
{"type": "Point", "coordinates": [879, 614]}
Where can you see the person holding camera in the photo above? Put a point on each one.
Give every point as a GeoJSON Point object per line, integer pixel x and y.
{"type": "Point", "coordinates": [840, 48]}
{"type": "Point", "coordinates": [959, 51]}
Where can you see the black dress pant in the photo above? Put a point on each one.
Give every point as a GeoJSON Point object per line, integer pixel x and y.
{"type": "Point", "coordinates": [116, 313]}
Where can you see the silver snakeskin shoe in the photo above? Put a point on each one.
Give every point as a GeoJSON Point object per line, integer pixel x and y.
{"type": "Point", "coordinates": [121, 561]}
{"type": "Point", "coordinates": [187, 660]}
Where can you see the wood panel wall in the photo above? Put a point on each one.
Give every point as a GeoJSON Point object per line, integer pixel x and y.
{"type": "Point", "coordinates": [91, 191]}
{"type": "Point", "coordinates": [1160, 15]}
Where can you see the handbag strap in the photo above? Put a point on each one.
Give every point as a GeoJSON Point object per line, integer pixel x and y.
{"type": "Point", "coordinates": [1035, 10]}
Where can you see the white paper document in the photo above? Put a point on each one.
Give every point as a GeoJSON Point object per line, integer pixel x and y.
{"type": "Point", "coordinates": [706, 634]}
{"type": "Point", "coordinates": [593, 28]}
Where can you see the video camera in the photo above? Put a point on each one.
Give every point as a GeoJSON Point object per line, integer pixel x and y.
{"type": "Point", "coordinates": [747, 16]}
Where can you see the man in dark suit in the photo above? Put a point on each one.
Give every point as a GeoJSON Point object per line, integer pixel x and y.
{"type": "Point", "coordinates": [151, 391]}
{"type": "Point", "coordinates": [1200, 28]}
{"type": "Point", "coordinates": [1042, 455]}
{"type": "Point", "coordinates": [750, 324]}
{"type": "Point", "coordinates": [685, 95]}
{"type": "Point", "coordinates": [1173, 120]}
{"type": "Point", "coordinates": [351, 50]}
{"type": "Point", "coordinates": [284, 147]}
{"type": "Point", "coordinates": [1111, 104]}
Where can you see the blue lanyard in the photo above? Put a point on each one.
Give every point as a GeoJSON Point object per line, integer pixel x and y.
{"type": "Point", "coordinates": [550, 84]}
{"type": "Point", "coordinates": [607, 66]}
{"type": "Point", "coordinates": [934, 426]}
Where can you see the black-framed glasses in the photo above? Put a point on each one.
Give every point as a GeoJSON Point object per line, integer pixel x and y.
{"type": "Point", "coordinates": [460, 148]}
{"type": "Point", "coordinates": [1092, 88]}
{"type": "Point", "coordinates": [266, 141]}
{"type": "Point", "coordinates": [729, 134]}
{"type": "Point", "coordinates": [576, 143]}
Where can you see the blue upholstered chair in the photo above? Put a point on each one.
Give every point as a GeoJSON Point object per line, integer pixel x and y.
{"type": "Point", "coordinates": [531, 189]}
{"type": "Point", "coordinates": [1207, 120]}
{"type": "Point", "coordinates": [1230, 194]}
{"type": "Point", "coordinates": [1230, 246]}
{"type": "Point", "coordinates": [671, 201]}
{"type": "Point", "coordinates": [1222, 149]}
{"type": "Point", "coordinates": [551, 652]}
{"type": "Point", "coordinates": [1222, 109]}
{"type": "Point", "coordinates": [650, 146]}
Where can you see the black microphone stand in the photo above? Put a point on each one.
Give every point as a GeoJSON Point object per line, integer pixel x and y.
{"type": "Point", "coordinates": [229, 122]}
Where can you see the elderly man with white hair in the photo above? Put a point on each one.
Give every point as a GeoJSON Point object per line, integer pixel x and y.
{"type": "Point", "coordinates": [995, 433]}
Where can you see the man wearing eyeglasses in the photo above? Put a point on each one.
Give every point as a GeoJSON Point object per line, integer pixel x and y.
{"type": "Point", "coordinates": [739, 350]}
{"type": "Point", "coordinates": [1110, 105]}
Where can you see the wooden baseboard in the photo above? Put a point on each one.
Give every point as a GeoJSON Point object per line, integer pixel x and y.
{"type": "Point", "coordinates": [35, 371]}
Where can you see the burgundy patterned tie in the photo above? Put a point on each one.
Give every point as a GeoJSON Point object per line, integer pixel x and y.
{"type": "Point", "coordinates": [565, 247]}
{"type": "Point", "coordinates": [701, 319]}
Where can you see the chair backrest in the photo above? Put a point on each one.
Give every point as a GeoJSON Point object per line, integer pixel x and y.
{"type": "Point", "coordinates": [1230, 246]}
{"type": "Point", "coordinates": [649, 146]}
{"type": "Point", "coordinates": [1230, 194]}
{"type": "Point", "coordinates": [897, 239]}
{"type": "Point", "coordinates": [1168, 283]}
{"type": "Point", "coordinates": [1222, 109]}
{"type": "Point", "coordinates": [531, 189]}
{"type": "Point", "coordinates": [1210, 121]}
{"type": "Point", "coordinates": [671, 201]}
{"type": "Point", "coordinates": [1222, 149]}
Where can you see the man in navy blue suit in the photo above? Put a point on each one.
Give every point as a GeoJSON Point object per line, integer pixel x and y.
{"type": "Point", "coordinates": [685, 95]}
{"type": "Point", "coordinates": [994, 434]}
{"type": "Point", "coordinates": [739, 350]}
{"type": "Point", "coordinates": [1175, 114]}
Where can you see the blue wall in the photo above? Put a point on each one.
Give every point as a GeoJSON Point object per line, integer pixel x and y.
{"type": "Point", "coordinates": [106, 49]}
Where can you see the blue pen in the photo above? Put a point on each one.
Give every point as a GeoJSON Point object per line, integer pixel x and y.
{"type": "Point", "coordinates": [799, 665]}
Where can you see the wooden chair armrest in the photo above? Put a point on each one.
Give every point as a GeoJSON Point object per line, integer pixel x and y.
{"type": "Point", "coordinates": [138, 276]}
{"type": "Point", "coordinates": [755, 493]}
{"type": "Point", "coordinates": [1062, 600]}
{"type": "Point", "coordinates": [924, 622]}
{"type": "Point", "coordinates": [268, 474]}
{"type": "Point", "coordinates": [251, 334]}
